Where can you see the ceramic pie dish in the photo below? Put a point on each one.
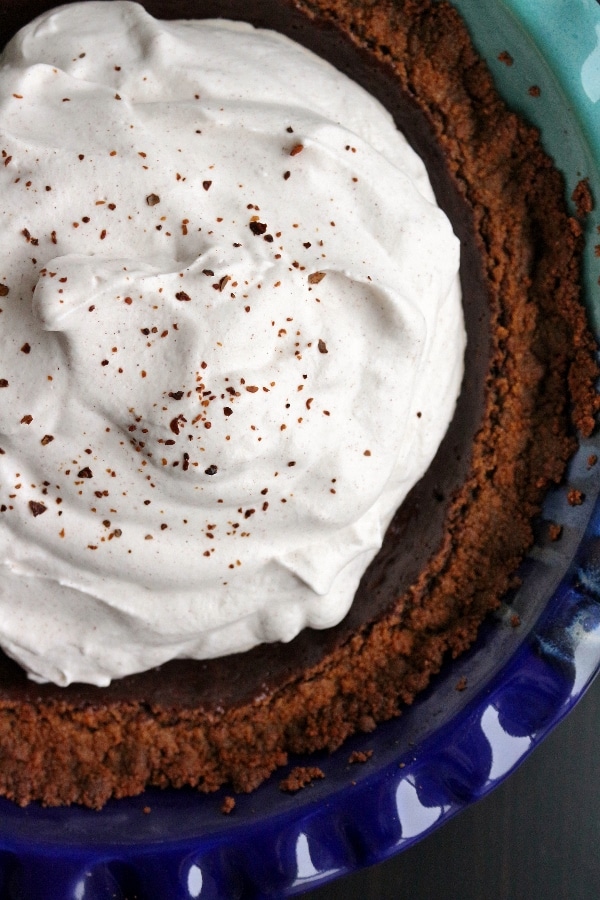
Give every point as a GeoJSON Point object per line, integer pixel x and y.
{"type": "Point", "coordinates": [451, 747]}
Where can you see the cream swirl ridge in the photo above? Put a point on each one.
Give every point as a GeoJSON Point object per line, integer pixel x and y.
{"type": "Point", "coordinates": [231, 339]}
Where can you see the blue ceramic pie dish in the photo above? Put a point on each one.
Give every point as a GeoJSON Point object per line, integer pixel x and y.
{"type": "Point", "coordinates": [452, 747]}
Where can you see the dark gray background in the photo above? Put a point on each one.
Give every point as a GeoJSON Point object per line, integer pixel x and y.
{"type": "Point", "coordinates": [535, 837]}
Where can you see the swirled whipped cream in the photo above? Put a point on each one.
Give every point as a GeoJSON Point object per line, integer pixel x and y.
{"type": "Point", "coordinates": [231, 339]}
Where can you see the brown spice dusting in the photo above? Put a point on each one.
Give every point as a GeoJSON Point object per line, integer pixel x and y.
{"type": "Point", "coordinates": [316, 277]}
{"type": "Point", "coordinates": [299, 778]}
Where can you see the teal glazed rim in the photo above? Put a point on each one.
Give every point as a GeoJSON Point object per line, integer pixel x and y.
{"type": "Point", "coordinates": [451, 748]}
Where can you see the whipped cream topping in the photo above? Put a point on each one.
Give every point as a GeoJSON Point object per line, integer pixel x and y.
{"type": "Point", "coordinates": [231, 339]}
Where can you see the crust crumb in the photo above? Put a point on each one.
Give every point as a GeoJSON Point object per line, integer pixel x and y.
{"type": "Point", "coordinates": [554, 531]}
{"type": "Point", "coordinates": [228, 805]}
{"type": "Point", "coordinates": [582, 198]}
{"type": "Point", "coordinates": [300, 777]}
{"type": "Point", "coordinates": [360, 756]}
{"type": "Point", "coordinates": [506, 58]}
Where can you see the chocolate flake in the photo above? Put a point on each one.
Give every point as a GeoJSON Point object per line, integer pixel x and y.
{"type": "Point", "coordinates": [322, 346]}
{"type": "Point", "coordinates": [3, 290]}
{"type": "Point", "coordinates": [152, 199]}
{"type": "Point", "coordinates": [37, 508]}
{"type": "Point", "coordinates": [181, 295]}
{"type": "Point", "coordinates": [176, 423]}
{"type": "Point", "coordinates": [30, 240]}
{"type": "Point", "coordinates": [86, 472]}
{"type": "Point", "coordinates": [316, 277]}
{"type": "Point", "coordinates": [47, 439]}
{"type": "Point", "coordinates": [257, 227]}
{"type": "Point", "coordinates": [206, 185]}
{"type": "Point", "coordinates": [212, 470]}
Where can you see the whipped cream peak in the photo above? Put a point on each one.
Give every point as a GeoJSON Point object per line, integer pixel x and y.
{"type": "Point", "coordinates": [231, 339]}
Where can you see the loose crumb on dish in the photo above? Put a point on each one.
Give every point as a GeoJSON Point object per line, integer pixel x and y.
{"type": "Point", "coordinates": [554, 531]}
{"type": "Point", "coordinates": [575, 497]}
{"type": "Point", "coordinates": [582, 198]}
{"type": "Point", "coordinates": [300, 777]}
{"type": "Point", "coordinates": [360, 756]}
{"type": "Point", "coordinates": [506, 58]}
{"type": "Point", "coordinates": [228, 805]}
